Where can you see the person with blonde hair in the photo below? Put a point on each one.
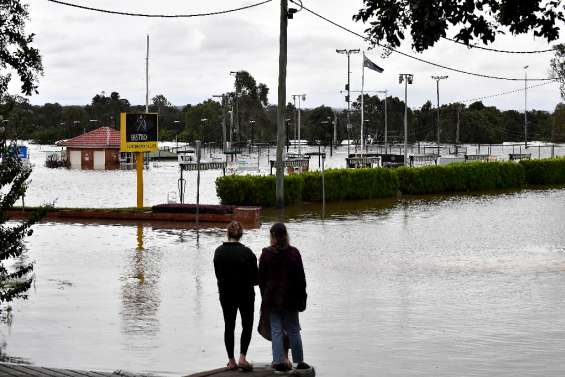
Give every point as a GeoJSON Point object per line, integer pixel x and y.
{"type": "Point", "coordinates": [235, 266]}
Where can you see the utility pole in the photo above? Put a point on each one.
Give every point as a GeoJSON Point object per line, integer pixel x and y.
{"type": "Point", "coordinates": [407, 78]}
{"type": "Point", "coordinates": [438, 79]}
{"type": "Point", "coordinates": [457, 138]}
{"type": "Point", "coordinates": [526, 106]}
{"type": "Point", "coordinates": [281, 109]}
{"type": "Point", "coordinates": [348, 88]}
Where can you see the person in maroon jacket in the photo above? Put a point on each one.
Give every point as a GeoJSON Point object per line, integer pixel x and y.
{"type": "Point", "coordinates": [283, 290]}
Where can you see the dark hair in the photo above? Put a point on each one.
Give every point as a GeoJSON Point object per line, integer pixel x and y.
{"type": "Point", "coordinates": [235, 230]}
{"type": "Point", "coordinates": [279, 235]}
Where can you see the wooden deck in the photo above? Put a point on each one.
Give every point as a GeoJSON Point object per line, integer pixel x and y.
{"type": "Point", "coordinates": [21, 370]}
{"type": "Point", "coordinates": [258, 371]}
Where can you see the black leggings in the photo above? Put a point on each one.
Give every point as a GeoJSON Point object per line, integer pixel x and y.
{"type": "Point", "coordinates": [246, 306]}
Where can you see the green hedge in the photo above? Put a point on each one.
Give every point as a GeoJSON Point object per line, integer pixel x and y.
{"type": "Point", "coordinates": [544, 172]}
{"type": "Point", "coordinates": [257, 190]}
{"type": "Point", "coordinates": [350, 184]}
{"type": "Point", "coordinates": [341, 184]}
{"type": "Point", "coordinates": [473, 176]}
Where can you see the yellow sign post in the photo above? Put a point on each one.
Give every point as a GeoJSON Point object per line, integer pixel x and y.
{"type": "Point", "coordinates": [139, 135]}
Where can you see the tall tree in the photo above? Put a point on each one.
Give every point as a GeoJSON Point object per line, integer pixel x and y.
{"type": "Point", "coordinates": [558, 66]}
{"type": "Point", "coordinates": [428, 21]}
{"type": "Point", "coordinates": [16, 53]}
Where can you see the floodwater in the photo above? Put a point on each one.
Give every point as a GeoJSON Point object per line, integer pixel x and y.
{"type": "Point", "coordinates": [107, 189]}
{"type": "Point", "coordinates": [453, 286]}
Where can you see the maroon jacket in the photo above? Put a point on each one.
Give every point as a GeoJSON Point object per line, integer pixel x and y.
{"type": "Point", "coordinates": [281, 279]}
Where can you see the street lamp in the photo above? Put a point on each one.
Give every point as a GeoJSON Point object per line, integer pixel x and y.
{"type": "Point", "coordinates": [438, 79]}
{"type": "Point", "coordinates": [407, 78]}
{"type": "Point", "coordinates": [301, 97]}
{"type": "Point", "coordinates": [348, 53]}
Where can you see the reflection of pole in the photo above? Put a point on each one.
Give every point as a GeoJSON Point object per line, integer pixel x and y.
{"type": "Point", "coordinates": [139, 237]}
{"type": "Point", "coordinates": [198, 154]}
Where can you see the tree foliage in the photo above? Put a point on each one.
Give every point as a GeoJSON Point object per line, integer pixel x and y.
{"type": "Point", "coordinates": [427, 21]}
{"type": "Point", "coordinates": [15, 270]}
{"type": "Point", "coordinates": [16, 50]}
{"type": "Point", "coordinates": [557, 65]}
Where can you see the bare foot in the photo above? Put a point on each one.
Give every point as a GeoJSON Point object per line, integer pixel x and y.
{"type": "Point", "coordinates": [231, 365]}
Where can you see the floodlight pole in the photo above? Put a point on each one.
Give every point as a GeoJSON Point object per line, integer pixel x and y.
{"type": "Point", "coordinates": [301, 97]}
{"type": "Point", "coordinates": [348, 88]}
{"type": "Point", "coordinates": [407, 79]}
{"type": "Point", "coordinates": [438, 79]}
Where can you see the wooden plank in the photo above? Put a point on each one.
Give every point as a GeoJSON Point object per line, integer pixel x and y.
{"type": "Point", "coordinates": [66, 372]}
{"type": "Point", "coordinates": [5, 370]}
{"type": "Point", "coordinates": [17, 370]}
{"type": "Point", "coordinates": [33, 370]}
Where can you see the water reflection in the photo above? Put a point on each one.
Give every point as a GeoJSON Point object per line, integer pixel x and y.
{"type": "Point", "coordinates": [140, 294]}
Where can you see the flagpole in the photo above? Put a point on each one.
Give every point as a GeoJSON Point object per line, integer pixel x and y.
{"type": "Point", "coordinates": [362, 102]}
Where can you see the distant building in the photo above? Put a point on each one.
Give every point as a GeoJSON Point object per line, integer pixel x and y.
{"type": "Point", "coordinates": [94, 150]}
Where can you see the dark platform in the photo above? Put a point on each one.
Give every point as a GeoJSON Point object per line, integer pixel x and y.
{"type": "Point", "coordinates": [20, 370]}
{"type": "Point", "coordinates": [259, 370]}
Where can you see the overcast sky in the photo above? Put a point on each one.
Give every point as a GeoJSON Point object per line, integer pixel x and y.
{"type": "Point", "coordinates": [85, 53]}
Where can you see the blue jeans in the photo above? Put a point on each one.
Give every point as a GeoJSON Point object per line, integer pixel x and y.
{"type": "Point", "coordinates": [288, 322]}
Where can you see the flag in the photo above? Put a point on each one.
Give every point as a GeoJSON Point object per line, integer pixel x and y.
{"type": "Point", "coordinates": [369, 64]}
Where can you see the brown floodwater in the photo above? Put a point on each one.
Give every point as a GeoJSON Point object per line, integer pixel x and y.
{"type": "Point", "coordinates": [452, 286]}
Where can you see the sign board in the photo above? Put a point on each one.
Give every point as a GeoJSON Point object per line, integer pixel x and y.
{"type": "Point", "coordinates": [138, 132]}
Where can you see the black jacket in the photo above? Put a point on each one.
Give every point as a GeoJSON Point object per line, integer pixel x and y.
{"type": "Point", "coordinates": [236, 269]}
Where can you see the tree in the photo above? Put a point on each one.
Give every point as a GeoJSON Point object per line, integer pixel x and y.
{"type": "Point", "coordinates": [16, 51]}
{"type": "Point", "coordinates": [558, 66]}
{"type": "Point", "coordinates": [428, 21]}
{"type": "Point", "coordinates": [558, 132]}
{"type": "Point", "coordinates": [15, 278]}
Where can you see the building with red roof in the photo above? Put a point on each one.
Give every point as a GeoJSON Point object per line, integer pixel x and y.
{"type": "Point", "coordinates": [94, 150]}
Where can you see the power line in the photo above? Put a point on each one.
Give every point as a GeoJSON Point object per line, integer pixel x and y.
{"type": "Point", "coordinates": [415, 57]}
{"type": "Point", "coordinates": [498, 50]}
{"type": "Point", "coordinates": [133, 14]}
{"type": "Point", "coordinates": [509, 92]}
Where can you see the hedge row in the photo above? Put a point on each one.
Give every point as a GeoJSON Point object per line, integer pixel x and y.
{"type": "Point", "coordinates": [474, 176]}
{"type": "Point", "coordinates": [545, 172]}
{"type": "Point", "coordinates": [346, 184]}
{"type": "Point", "coordinates": [341, 184]}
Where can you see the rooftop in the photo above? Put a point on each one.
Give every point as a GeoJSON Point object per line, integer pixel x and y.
{"type": "Point", "coordinates": [103, 137]}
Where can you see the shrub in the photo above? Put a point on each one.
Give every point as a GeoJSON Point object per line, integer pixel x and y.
{"type": "Point", "coordinates": [473, 176]}
{"type": "Point", "coordinates": [257, 190]}
{"type": "Point", "coordinates": [341, 184]}
{"type": "Point", "coordinates": [544, 172]}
